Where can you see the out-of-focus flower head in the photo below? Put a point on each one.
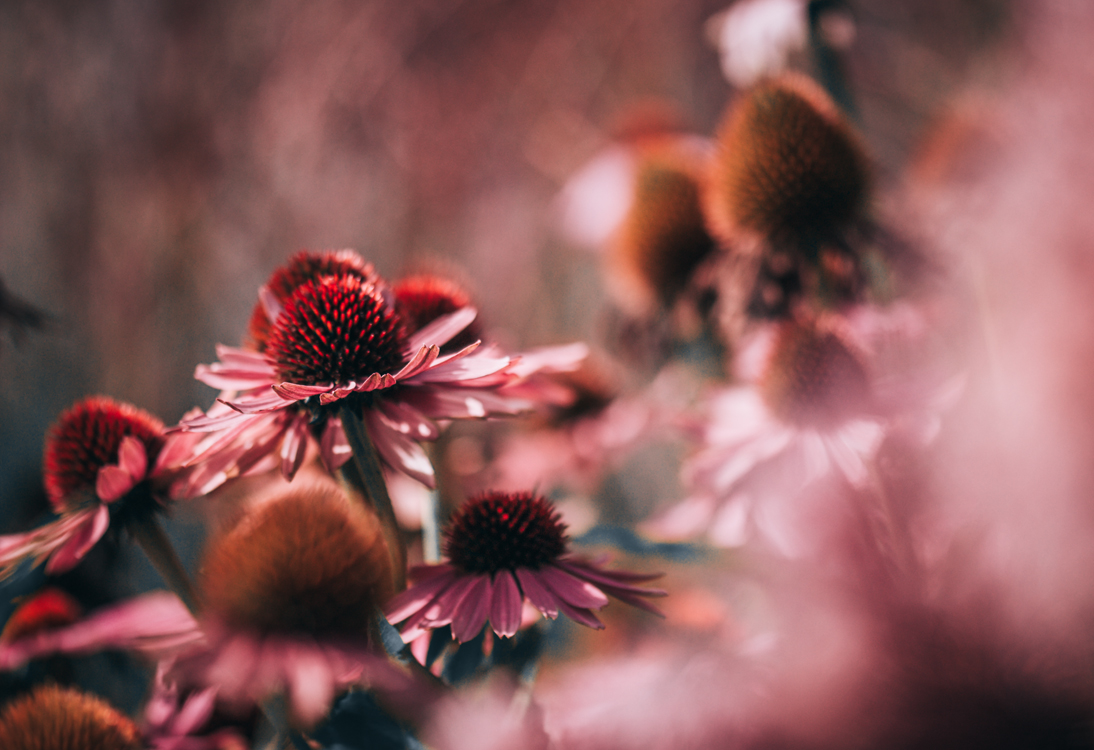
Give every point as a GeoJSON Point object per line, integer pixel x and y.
{"type": "Point", "coordinates": [66, 719]}
{"type": "Point", "coordinates": [757, 38]}
{"type": "Point", "coordinates": [810, 414]}
{"type": "Point", "coordinates": [288, 596]}
{"type": "Point", "coordinates": [663, 237]}
{"type": "Point", "coordinates": [502, 549]}
{"type": "Point", "coordinates": [788, 189]}
{"type": "Point", "coordinates": [422, 298]}
{"type": "Point", "coordinates": [105, 461]}
{"type": "Point", "coordinates": [338, 337]}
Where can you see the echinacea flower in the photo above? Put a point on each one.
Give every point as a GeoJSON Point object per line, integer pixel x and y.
{"type": "Point", "coordinates": [503, 549]}
{"type": "Point", "coordinates": [338, 342]}
{"type": "Point", "coordinates": [289, 594]}
{"type": "Point", "coordinates": [814, 411]}
{"type": "Point", "coordinates": [103, 462]}
{"type": "Point", "coordinates": [50, 622]}
{"type": "Point", "coordinates": [56, 718]}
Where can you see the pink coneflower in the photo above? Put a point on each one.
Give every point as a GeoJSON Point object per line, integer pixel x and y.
{"type": "Point", "coordinates": [502, 549]}
{"type": "Point", "coordinates": [813, 413]}
{"type": "Point", "coordinates": [102, 460]}
{"type": "Point", "coordinates": [289, 596]}
{"type": "Point", "coordinates": [338, 343]}
{"type": "Point", "coordinates": [50, 622]}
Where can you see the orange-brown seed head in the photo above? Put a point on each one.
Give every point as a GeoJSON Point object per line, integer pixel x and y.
{"type": "Point", "coordinates": [664, 236]}
{"type": "Point", "coordinates": [308, 563]}
{"type": "Point", "coordinates": [787, 166]}
{"type": "Point", "coordinates": [56, 718]}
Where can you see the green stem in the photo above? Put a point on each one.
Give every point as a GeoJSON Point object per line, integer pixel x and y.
{"type": "Point", "coordinates": [160, 552]}
{"type": "Point", "coordinates": [369, 480]}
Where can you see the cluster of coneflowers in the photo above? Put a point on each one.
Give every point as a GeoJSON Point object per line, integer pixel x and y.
{"type": "Point", "coordinates": [294, 601]}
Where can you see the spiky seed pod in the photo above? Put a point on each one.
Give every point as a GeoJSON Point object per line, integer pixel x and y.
{"type": "Point", "coordinates": [301, 268]}
{"type": "Point", "coordinates": [86, 438]}
{"type": "Point", "coordinates": [504, 531]}
{"type": "Point", "coordinates": [813, 376]}
{"type": "Point", "coordinates": [335, 329]}
{"type": "Point", "coordinates": [664, 236]}
{"type": "Point", "coordinates": [422, 298]}
{"type": "Point", "coordinates": [307, 563]}
{"type": "Point", "coordinates": [788, 167]}
{"type": "Point", "coordinates": [56, 718]}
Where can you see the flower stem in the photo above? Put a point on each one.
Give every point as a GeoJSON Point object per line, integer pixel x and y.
{"type": "Point", "coordinates": [161, 553]}
{"type": "Point", "coordinates": [369, 478]}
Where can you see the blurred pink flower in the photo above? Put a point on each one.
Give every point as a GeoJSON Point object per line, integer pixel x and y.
{"type": "Point", "coordinates": [401, 384]}
{"type": "Point", "coordinates": [776, 452]}
{"type": "Point", "coordinates": [502, 549]}
{"type": "Point", "coordinates": [153, 624]}
{"type": "Point", "coordinates": [176, 719]}
{"type": "Point", "coordinates": [103, 459]}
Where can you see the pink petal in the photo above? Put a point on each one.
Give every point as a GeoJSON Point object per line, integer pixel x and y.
{"type": "Point", "coordinates": [334, 449]}
{"type": "Point", "coordinates": [441, 330]}
{"type": "Point", "coordinates": [132, 457]}
{"type": "Point", "coordinates": [113, 482]}
{"type": "Point", "coordinates": [294, 446]}
{"type": "Point", "coordinates": [269, 302]}
{"type": "Point", "coordinates": [581, 615]}
{"type": "Point", "coordinates": [149, 622]}
{"type": "Point", "coordinates": [258, 403]}
{"type": "Point", "coordinates": [422, 359]}
{"type": "Point", "coordinates": [398, 451]}
{"type": "Point", "coordinates": [417, 597]}
{"type": "Point", "coordinates": [540, 597]}
{"type": "Point", "coordinates": [438, 401]}
{"type": "Point", "coordinates": [195, 712]}
{"type": "Point", "coordinates": [505, 605]}
{"type": "Point", "coordinates": [572, 590]}
{"type": "Point", "coordinates": [565, 358]}
{"type": "Point", "coordinates": [310, 684]}
{"type": "Point", "coordinates": [467, 368]}
{"type": "Point", "coordinates": [83, 539]}
{"type": "Point", "coordinates": [470, 616]}
{"type": "Point", "coordinates": [298, 392]}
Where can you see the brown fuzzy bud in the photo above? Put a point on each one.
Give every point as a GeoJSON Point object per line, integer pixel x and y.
{"type": "Point", "coordinates": [56, 718]}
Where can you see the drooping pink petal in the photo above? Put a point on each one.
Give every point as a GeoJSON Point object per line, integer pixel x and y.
{"type": "Point", "coordinates": [471, 615]}
{"type": "Point", "coordinates": [572, 590]}
{"type": "Point", "coordinates": [294, 446]}
{"type": "Point", "coordinates": [538, 594]}
{"type": "Point", "coordinates": [398, 451]}
{"type": "Point", "coordinates": [195, 712]}
{"type": "Point", "coordinates": [82, 540]}
{"type": "Point", "coordinates": [440, 401]}
{"type": "Point", "coordinates": [270, 304]}
{"type": "Point", "coordinates": [421, 360]}
{"type": "Point", "coordinates": [310, 684]}
{"type": "Point", "coordinates": [463, 369]}
{"type": "Point", "coordinates": [417, 597]}
{"type": "Point", "coordinates": [580, 615]}
{"type": "Point", "coordinates": [237, 370]}
{"type": "Point", "coordinates": [132, 457]}
{"type": "Point", "coordinates": [564, 358]}
{"type": "Point", "coordinates": [505, 605]}
{"type": "Point", "coordinates": [404, 418]}
{"type": "Point", "coordinates": [113, 482]}
{"type": "Point", "coordinates": [334, 448]}
{"type": "Point", "coordinates": [257, 403]}
{"type": "Point", "coordinates": [441, 330]}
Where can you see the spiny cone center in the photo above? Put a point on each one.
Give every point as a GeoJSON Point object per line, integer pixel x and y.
{"type": "Point", "coordinates": [504, 531]}
{"type": "Point", "coordinates": [85, 439]}
{"type": "Point", "coordinates": [813, 377]}
{"type": "Point", "coordinates": [55, 718]}
{"type": "Point", "coordinates": [302, 268]}
{"type": "Point", "coordinates": [335, 330]}
{"type": "Point", "coordinates": [423, 299]}
{"type": "Point", "coordinates": [304, 564]}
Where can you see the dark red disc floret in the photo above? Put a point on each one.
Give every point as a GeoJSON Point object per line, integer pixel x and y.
{"type": "Point", "coordinates": [336, 330]}
{"type": "Point", "coordinates": [504, 531]}
{"type": "Point", "coordinates": [86, 438]}
{"type": "Point", "coordinates": [424, 298]}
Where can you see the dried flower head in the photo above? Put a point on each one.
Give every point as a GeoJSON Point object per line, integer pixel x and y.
{"type": "Point", "coordinates": [664, 236]}
{"type": "Point", "coordinates": [813, 376]}
{"type": "Point", "coordinates": [56, 718]}
{"type": "Point", "coordinates": [423, 298]}
{"type": "Point", "coordinates": [47, 609]}
{"type": "Point", "coordinates": [308, 563]}
{"type": "Point", "coordinates": [335, 329]}
{"type": "Point", "coordinates": [87, 438]}
{"type": "Point", "coordinates": [302, 268]}
{"type": "Point", "coordinates": [787, 166]}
